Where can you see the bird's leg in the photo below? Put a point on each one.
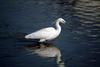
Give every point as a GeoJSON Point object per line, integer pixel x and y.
{"type": "Point", "coordinates": [42, 41]}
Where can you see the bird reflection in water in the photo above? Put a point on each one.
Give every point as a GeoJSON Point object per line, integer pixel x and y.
{"type": "Point", "coordinates": [46, 50]}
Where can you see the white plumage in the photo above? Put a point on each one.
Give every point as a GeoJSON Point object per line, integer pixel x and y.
{"type": "Point", "coordinates": [48, 33]}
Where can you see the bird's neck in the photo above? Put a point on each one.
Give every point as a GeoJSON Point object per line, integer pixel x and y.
{"type": "Point", "coordinates": [58, 27]}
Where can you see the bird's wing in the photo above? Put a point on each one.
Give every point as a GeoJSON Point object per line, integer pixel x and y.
{"type": "Point", "coordinates": [46, 29]}
{"type": "Point", "coordinates": [42, 33]}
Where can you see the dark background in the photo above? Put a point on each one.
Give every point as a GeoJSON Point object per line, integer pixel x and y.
{"type": "Point", "coordinates": [79, 38]}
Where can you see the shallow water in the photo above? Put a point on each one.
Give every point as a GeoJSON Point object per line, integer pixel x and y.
{"type": "Point", "coordinates": [78, 42]}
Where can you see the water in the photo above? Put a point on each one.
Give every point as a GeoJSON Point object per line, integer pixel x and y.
{"type": "Point", "coordinates": [78, 42]}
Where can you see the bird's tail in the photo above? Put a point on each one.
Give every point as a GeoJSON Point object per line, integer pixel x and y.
{"type": "Point", "coordinates": [27, 36]}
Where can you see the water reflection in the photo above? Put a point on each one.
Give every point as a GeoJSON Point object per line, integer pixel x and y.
{"type": "Point", "coordinates": [46, 50]}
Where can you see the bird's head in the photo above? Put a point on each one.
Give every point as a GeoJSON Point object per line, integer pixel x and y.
{"type": "Point", "coordinates": [61, 20]}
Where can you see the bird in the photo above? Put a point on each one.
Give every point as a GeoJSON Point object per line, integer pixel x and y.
{"type": "Point", "coordinates": [47, 34]}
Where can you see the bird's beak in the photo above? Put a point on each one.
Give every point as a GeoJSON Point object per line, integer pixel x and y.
{"type": "Point", "coordinates": [64, 22]}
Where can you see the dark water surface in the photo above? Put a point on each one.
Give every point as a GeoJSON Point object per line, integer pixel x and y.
{"type": "Point", "coordinates": [79, 41]}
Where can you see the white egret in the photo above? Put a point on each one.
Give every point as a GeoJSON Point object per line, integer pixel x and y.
{"type": "Point", "coordinates": [48, 33]}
